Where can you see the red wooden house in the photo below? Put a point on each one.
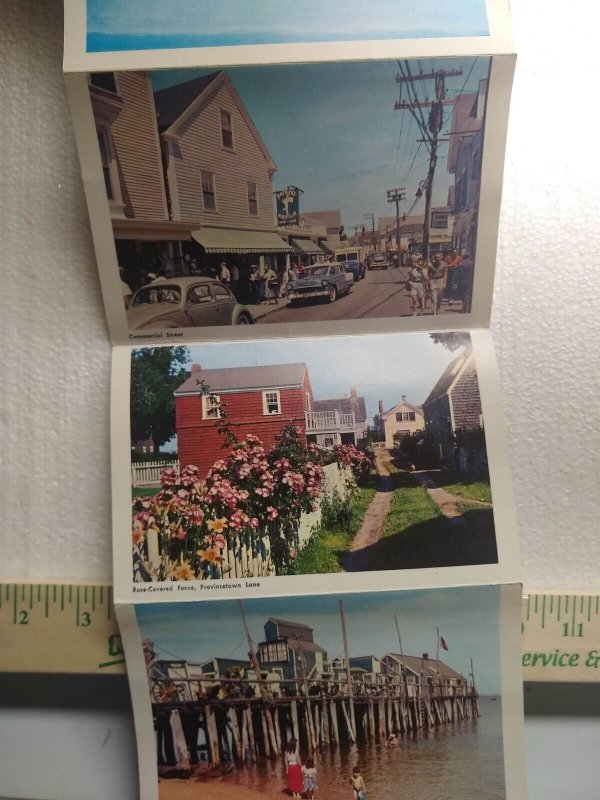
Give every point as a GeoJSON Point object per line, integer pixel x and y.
{"type": "Point", "coordinates": [259, 400]}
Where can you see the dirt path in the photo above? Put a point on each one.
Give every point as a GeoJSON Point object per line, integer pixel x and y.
{"type": "Point", "coordinates": [448, 504]}
{"type": "Point", "coordinates": [370, 531]}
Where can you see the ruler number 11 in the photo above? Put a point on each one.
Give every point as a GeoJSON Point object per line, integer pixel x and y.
{"type": "Point", "coordinates": [572, 630]}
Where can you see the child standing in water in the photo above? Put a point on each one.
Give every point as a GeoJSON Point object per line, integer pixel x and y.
{"type": "Point", "coordinates": [358, 785]}
{"type": "Point", "coordinates": [294, 769]}
{"type": "Point", "coordinates": [309, 778]}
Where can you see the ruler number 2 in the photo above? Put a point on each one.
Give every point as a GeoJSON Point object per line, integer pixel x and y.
{"type": "Point", "coordinates": [23, 618]}
{"type": "Point", "coordinates": [573, 630]}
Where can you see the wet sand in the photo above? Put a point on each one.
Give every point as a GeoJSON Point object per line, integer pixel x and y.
{"type": "Point", "coordinates": [211, 789]}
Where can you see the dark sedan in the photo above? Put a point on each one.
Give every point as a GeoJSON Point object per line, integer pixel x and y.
{"type": "Point", "coordinates": [356, 268]}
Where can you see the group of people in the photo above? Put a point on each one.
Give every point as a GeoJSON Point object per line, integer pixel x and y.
{"type": "Point", "coordinates": [449, 278]}
{"type": "Point", "coordinates": [303, 777]}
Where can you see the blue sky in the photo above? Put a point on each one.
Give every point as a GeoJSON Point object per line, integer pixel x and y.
{"type": "Point", "coordinates": [380, 367]}
{"type": "Point", "coordinates": [154, 24]}
{"type": "Point", "coordinates": [333, 131]}
{"type": "Point", "coordinates": [467, 618]}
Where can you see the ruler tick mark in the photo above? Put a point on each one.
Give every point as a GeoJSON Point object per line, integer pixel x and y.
{"type": "Point", "coordinates": [543, 611]}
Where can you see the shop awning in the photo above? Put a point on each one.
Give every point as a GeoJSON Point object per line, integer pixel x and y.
{"type": "Point", "coordinates": [306, 246]}
{"type": "Point", "coordinates": [229, 240]}
{"type": "Point", "coordinates": [326, 250]}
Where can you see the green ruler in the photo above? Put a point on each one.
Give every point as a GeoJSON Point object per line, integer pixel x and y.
{"type": "Point", "coordinates": [59, 628]}
{"type": "Point", "coordinates": [561, 637]}
{"type": "Point", "coordinates": [72, 628]}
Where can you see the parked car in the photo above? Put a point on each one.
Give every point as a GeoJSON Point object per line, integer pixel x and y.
{"type": "Point", "coordinates": [378, 261]}
{"type": "Point", "coordinates": [356, 268]}
{"type": "Point", "coordinates": [184, 303]}
{"type": "Point", "coordinates": [320, 280]}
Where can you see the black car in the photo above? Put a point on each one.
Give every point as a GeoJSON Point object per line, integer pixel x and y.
{"type": "Point", "coordinates": [356, 268]}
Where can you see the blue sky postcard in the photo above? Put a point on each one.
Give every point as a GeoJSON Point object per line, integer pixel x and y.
{"type": "Point", "coordinates": [356, 196]}
{"type": "Point", "coordinates": [391, 694]}
{"type": "Point", "coordinates": [260, 468]}
{"type": "Point", "coordinates": [151, 33]}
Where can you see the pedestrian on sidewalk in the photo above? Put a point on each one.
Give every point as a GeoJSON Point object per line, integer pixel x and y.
{"type": "Point", "coordinates": [254, 284]}
{"type": "Point", "coordinates": [235, 280]}
{"type": "Point", "coordinates": [272, 286]}
{"type": "Point", "coordinates": [224, 274]}
{"type": "Point", "coordinates": [465, 282]}
{"type": "Point", "coordinates": [416, 285]}
{"type": "Point", "coordinates": [438, 271]}
{"type": "Point", "coordinates": [453, 262]}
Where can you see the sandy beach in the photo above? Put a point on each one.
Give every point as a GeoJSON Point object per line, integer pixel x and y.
{"type": "Point", "coordinates": [212, 789]}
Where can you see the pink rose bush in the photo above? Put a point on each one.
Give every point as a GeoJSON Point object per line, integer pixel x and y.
{"type": "Point", "coordinates": [248, 506]}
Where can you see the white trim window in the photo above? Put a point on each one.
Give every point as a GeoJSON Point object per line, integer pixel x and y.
{"type": "Point", "coordinates": [211, 406]}
{"type": "Point", "coordinates": [252, 190]}
{"type": "Point", "coordinates": [209, 197]}
{"type": "Point", "coordinates": [271, 402]}
{"type": "Point", "coordinates": [226, 130]}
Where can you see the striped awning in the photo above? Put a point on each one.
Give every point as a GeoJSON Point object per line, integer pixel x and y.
{"type": "Point", "coordinates": [306, 246]}
{"type": "Point", "coordinates": [229, 240]}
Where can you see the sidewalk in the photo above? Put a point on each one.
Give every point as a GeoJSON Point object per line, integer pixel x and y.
{"type": "Point", "coordinates": [265, 308]}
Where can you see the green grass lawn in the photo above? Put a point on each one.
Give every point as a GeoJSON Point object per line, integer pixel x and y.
{"type": "Point", "coordinates": [416, 534]}
{"type": "Point", "coordinates": [145, 491]}
{"type": "Point", "coordinates": [463, 486]}
{"type": "Point", "coordinates": [323, 550]}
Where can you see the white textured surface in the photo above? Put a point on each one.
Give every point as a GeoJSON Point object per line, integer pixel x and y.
{"type": "Point", "coordinates": [54, 487]}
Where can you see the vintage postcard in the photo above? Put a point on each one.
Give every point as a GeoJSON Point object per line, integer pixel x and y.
{"type": "Point", "coordinates": [101, 34]}
{"type": "Point", "coordinates": [346, 197]}
{"type": "Point", "coordinates": [259, 468]}
{"type": "Point", "coordinates": [390, 694]}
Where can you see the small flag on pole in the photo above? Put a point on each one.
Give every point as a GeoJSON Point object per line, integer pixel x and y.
{"type": "Point", "coordinates": [443, 644]}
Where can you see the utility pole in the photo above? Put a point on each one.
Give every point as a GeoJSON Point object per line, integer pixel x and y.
{"type": "Point", "coordinates": [433, 128]}
{"type": "Point", "coordinates": [395, 196]}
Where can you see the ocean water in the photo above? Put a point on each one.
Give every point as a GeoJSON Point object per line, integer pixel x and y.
{"type": "Point", "coordinates": [461, 761]}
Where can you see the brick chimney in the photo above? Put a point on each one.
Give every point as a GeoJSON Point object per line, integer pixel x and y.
{"type": "Point", "coordinates": [196, 368]}
{"type": "Point", "coordinates": [404, 398]}
{"type": "Point", "coordinates": [425, 656]}
{"type": "Point", "coordinates": [353, 392]}
{"type": "Point", "coordinates": [381, 406]}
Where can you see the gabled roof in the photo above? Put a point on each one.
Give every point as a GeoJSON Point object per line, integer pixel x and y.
{"type": "Point", "coordinates": [402, 403]}
{"type": "Point", "coordinates": [450, 374]}
{"type": "Point", "coordinates": [177, 104]}
{"type": "Point", "coordinates": [428, 666]}
{"type": "Point", "coordinates": [172, 102]}
{"type": "Point", "coordinates": [286, 623]}
{"type": "Point", "coordinates": [239, 379]}
{"type": "Point", "coordinates": [345, 405]}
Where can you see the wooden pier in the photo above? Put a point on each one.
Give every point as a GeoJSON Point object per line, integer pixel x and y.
{"type": "Point", "coordinates": [244, 719]}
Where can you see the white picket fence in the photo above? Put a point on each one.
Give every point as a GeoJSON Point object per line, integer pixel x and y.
{"type": "Point", "coordinates": [249, 555]}
{"type": "Point", "coordinates": [147, 473]}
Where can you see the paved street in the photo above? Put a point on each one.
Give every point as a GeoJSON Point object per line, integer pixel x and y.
{"type": "Point", "coordinates": [382, 293]}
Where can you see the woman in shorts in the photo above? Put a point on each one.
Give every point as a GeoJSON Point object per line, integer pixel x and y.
{"type": "Point", "coordinates": [416, 285]}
